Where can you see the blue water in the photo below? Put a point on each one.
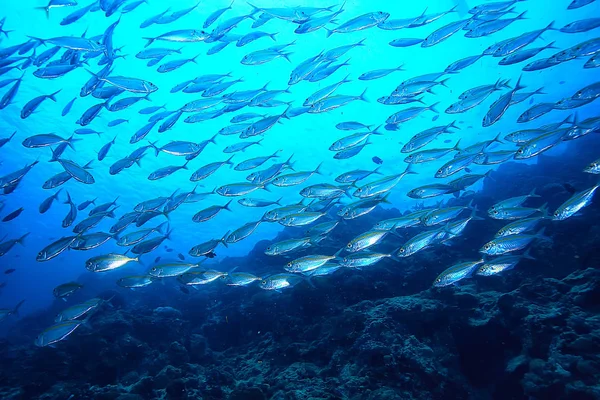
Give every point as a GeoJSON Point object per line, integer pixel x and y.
{"type": "Point", "coordinates": [307, 137]}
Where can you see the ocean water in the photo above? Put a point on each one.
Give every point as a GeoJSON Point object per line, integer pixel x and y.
{"type": "Point", "coordinates": [336, 299]}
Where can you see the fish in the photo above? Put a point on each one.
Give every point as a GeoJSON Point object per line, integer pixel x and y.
{"type": "Point", "coordinates": [382, 185]}
{"type": "Point", "coordinates": [442, 215]}
{"type": "Point", "coordinates": [359, 23]}
{"type": "Point", "coordinates": [308, 263]}
{"type": "Point", "coordinates": [201, 277]}
{"type": "Point", "coordinates": [456, 273]}
{"type": "Point", "coordinates": [30, 107]}
{"type": "Point", "coordinates": [279, 282]}
{"type": "Point", "coordinates": [108, 262]}
{"type": "Point", "coordinates": [57, 333]}
{"type": "Point", "coordinates": [520, 226]}
{"type": "Point", "coordinates": [12, 215]}
{"type": "Point", "coordinates": [365, 240]}
{"type": "Point", "coordinates": [420, 242]}
{"type": "Point", "coordinates": [593, 168]}
{"type": "Point", "coordinates": [444, 33]}
{"type": "Point", "coordinates": [136, 237]}
{"type": "Point", "coordinates": [405, 42]}
{"type": "Point", "coordinates": [135, 281]}
{"type": "Point", "coordinates": [48, 139]}
{"type": "Point", "coordinates": [47, 203]}
{"type": "Point", "coordinates": [5, 312]}
{"type": "Point", "coordinates": [241, 279]}
{"type": "Point", "coordinates": [377, 160]}
{"type": "Point", "coordinates": [243, 232]}
{"type": "Point", "coordinates": [512, 213]}
{"type": "Point", "coordinates": [574, 204]}
{"type": "Point", "coordinates": [91, 241]}
{"type": "Point", "coordinates": [300, 219]}
{"type": "Point", "coordinates": [77, 172]}
{"type": "Point", "coordinates": [66, 289]}
{"type": "Point", "coordinates": [55, 248]}
{"type": "Point", "coordinates": [500, 264]}
{"type": "Point", "coordinates": [210, 212]}
{"type": "Point", "coordinates": [514, 201]}
{"type": "Point", "coordinates": [510, 243]}
{"type": "Point", "coordinates": [379, 73]}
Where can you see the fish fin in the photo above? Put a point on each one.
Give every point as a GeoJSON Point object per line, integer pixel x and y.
{"type": "Point", "coordinates": [432, 107]}
{"type": "Point", "coordinates": [150, 41]}
{"type": "Point", "coordinates": [362, 96]}
{"type": "Point", "coordinates": [540, 235]}
{"type": "Point", "coordinates": [15, 311]}
{"type": "Point", "coordinates": [527, 255]}
{"type": "Point", "coordinates": [21, 240]}
{"type": "Point", "coordinates": [533, 194]}
{"type": "Point", "coordinates": [309, 281]}
{"type": "Point", "coordinates": [52, 96]}
{"type": "Point", "coordinates": [71, 140]}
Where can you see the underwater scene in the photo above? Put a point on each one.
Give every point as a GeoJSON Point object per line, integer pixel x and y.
{"type": "Point", "coordinates": [299, 199]}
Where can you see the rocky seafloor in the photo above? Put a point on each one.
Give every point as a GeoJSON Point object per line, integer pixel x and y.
{"type": "Point", "coordinates": [380, 333]}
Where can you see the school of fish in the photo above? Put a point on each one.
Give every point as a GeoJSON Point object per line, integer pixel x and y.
{"type": "Point", "coordinates": [251, 114]}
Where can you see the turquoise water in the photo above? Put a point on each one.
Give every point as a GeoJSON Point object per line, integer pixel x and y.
{"type": "Point", "coordinates": [307, 136]}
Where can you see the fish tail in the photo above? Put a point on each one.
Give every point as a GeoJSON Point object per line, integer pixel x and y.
{"type": "Point", "coordinates": [522, 15]}
{"type": "Point", "coordinates": [72, 140]}
{"type": "Point", "coordinates": [226, 206]}
{"type": "Point", "coordinates": [474, 216]}
{"type": "Point", "coordinates": [46, 9]}
{"type": "Point", "coordinates": [456, 148]}
{"type": "Point", "coordinates": [533, 194]}
{"type": "Point", "coordinates": [15, 311]}
{"type": "Point", "coordinates": [149, 40]}
{"type": "Point", "coordinates": [362, 96]}
{"type": "Point", "coordinates": [287, 56]}
{"type": "Point", "coordinates": [318, 169]}
{"type": "Point", "coordinates": [68, 201]}
{"type": "Point", "coordinates": [540, 235]}
{"type": "Point", "coordinates": [409, 171]}
{"type": "Point", "coordinates": [329, 31]}
{"type": "Point", "coordinates": [527, 255]}
{"type": "Point", "coordinates": [52, 96]}
{"type": "Point", "coordinates": [222, 240]}
{"type": "Point", "coordinates": [432, 107]}
{"type": "Point", "coordinates": [518, 86]}
{"type": "Point", "coordinates": [21, 240]}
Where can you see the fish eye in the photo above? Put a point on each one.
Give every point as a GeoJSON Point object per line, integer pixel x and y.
{"type": "Point", "coordinates": [263, 282]}
{"type": "Point", "coordinates": [401, 250]}
{"type": "Point", "coordinates": [269, 248]}
{"type": "Point", "coordinates": [349, 245]}
{"type": "Point", "coordinates": [495, 212]}
{"type": "Point", "coordinates": [153, 269]}
{"type": "Point", "coordinates": [289, 265]}
{"type": "Point", "coordinates": [487, 246]}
